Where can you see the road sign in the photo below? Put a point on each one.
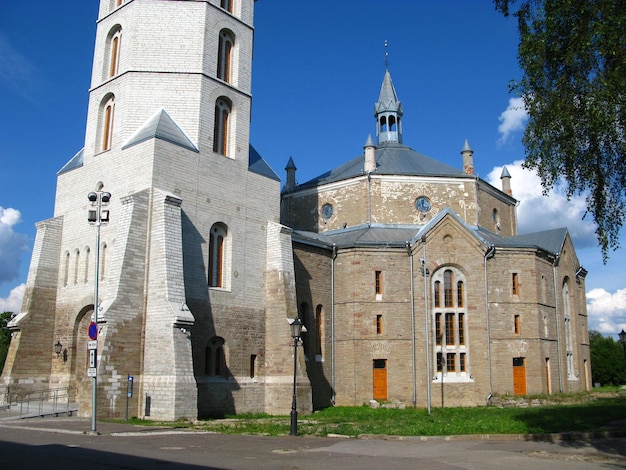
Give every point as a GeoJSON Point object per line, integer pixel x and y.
{"type": "Point", "coordinates": [91, 372]}
{"type": "Point", "coordinates": [93, 330]}
{"type": "Point", "coordinates": [92, 358]}
{"type": "Point", "coordinates": [92, 345]}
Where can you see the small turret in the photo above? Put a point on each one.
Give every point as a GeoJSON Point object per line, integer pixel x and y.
{"type": "Point", "coordinates": [468, 158]}
{"type": "Point", "coordinates": [506, 181]}
{"type": "Point", "coordinates": [370, 155]}
{"type": "Point", "coordinates": [290, 184]}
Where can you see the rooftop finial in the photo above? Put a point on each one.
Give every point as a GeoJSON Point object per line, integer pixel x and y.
{"type": "Point", "coordinates": [386, 56]}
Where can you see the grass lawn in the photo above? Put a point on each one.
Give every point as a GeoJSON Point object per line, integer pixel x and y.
{"type": "Point", "coordinates": [579, 412]}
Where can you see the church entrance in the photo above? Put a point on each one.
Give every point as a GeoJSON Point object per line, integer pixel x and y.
{"type": "Point", "coordinates": [380, 379]}
{"type": "Point", "coordinates": [79, 378]}
{"type": "Point", "coordinates": [519, 376]}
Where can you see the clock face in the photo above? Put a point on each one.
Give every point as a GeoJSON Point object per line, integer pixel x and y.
{"type": "Point", "coordinates": [422, 204]}
{"type": "Point", "coordinates": [327, 211]}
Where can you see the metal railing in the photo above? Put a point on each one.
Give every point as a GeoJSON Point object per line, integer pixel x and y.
{"type": "Point", "coordinates": [29, 404]}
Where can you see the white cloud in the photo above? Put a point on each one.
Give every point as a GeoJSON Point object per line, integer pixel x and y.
{"type": "Point", "coordinates": [13, 303]}
{"type": "Point", "coordinates": [537, 212]}
{"type": "Point", "coordinates": [12, 244]}
{"type": "Point", "coordinates": [607, 312]}
{"type": "Point", "coordinates": [512, 119]}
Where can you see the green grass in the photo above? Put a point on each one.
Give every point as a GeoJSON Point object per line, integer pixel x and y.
{"type": "Point", "coordinates": [579, 412]}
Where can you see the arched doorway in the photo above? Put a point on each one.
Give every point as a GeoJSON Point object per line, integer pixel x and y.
{"type": "Point", "coordinates": [79, 380]}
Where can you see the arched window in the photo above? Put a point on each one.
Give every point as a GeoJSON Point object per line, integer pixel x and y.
{"type": "Point", "coordinates": [569, 344]}
{"type": "Point", "coordinates": [215, 360]}
{"type": "Point", "coordinates": [217, 240]}
{"type": "Point", "coordinates": [66, 269]}
{"type": "Point", "coordinates": [318, 329]}
{"type": "Point", "coordinates": [225, 54]}
{"type": "Point", "coordinates": [451, 345]}
{"type": "Point", "coordinates": [103, 258]}
{"type": "Point", "coordinates": [87, 254]}
{"type": "Point", "coordinates": [108, 110]}
{"type": "Point", "coordinates": [114, 52]}
{"type": "Point", "coordinates": [223, 109]}
{"type": "Point", "coordinates": [76, 265]}
{"type": "Point", "coordinates": [447, 289]}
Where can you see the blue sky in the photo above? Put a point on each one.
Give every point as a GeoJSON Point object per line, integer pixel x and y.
{"type": "Point", "coordinates": [317, 71]}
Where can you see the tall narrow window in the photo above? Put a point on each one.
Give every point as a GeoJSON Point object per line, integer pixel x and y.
{"type": "Point", "coordinates": [447, 289]}
{"type": "Point", "coordinates": [379, 324]}
{"type": "Point", "coordinates": [216, 255]}
{"type": "Point", "coordinates": [227, 5]}
{"type": "Point", "coordinates": [516, 325]}
{"type": "Point", "coordinates": [378, 279]}
{"type": "Point", "coordinates": [461, 328]}
{"type": "Point", "coordinates": [451, 362]}
{"type": "Point", "coordinates": [449, 328]}
{"type": "Point", "coordinates": [107, 124]}
{"type": "Point", "coordinates": [76, 266]}
{"type": "Point", "coordinates": [438, 332]}
{"type": "Point", "coordinates": [460, 293]}
{"type": "Point", "coordinates": [220, 131]}
{"type": "Point", "coordinates": [437, 294]}
{"type": "Point", "coordinates": [66, 269]}
{"type": "Point", "coordinates": [514, 284]}
{"type": "Point", "coordinates": [114, 53]}
{"type": "Point", "coordinates": [462, 362]}
{"type": "Point", "coordinates": [318, 328]}
{"type": "Point", "coordinates": [252, 365]}
{"type": "Point", "coordinates": [215, 361]}
{"type": "Point", "coordinates": [87, 254]}
{"type": "Point", "coordinates": [103, 259]}
{"type": "Point", "coordinates": [224, 55]}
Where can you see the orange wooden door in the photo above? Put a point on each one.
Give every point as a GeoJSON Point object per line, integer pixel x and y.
{"type": "Point", "coordinates": [519, 376]}
{"type": "Point", "coordinates": [380, 379]}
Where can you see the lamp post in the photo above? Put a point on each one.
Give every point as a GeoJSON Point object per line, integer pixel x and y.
{"type": "Point", "coordinates": [296, 331]}
{"type": "Point", "coordinates": [98, 215]}
{"type": "Point", "coordinates": [622, 339]}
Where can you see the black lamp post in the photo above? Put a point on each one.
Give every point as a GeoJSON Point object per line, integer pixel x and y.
{"type": "Point", "coordinates": [296, 331]}
{"type": "Point", "coordinates": [622, 339]}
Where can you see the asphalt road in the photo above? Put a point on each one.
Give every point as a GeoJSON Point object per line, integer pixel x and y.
{"type": "Point", "coordinates": [67, 444]}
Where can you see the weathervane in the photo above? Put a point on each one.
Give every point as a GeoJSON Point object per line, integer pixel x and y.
{"type": "Point", "coordinates": [386, 56]}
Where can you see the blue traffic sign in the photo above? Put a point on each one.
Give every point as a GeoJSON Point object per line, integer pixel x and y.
{"type": "Point", "coordinates": [93, 330]}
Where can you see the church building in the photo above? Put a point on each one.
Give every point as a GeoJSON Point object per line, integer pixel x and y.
{"type": "Point", "coordinates": [174, 257]}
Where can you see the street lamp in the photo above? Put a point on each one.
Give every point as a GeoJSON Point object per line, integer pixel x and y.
{"type": "Point", "coordinates": [622, 339]}
{"type": "Point", "coordinates": [98, 215]}
{"type": "Point", "coordinates": [296, 331]}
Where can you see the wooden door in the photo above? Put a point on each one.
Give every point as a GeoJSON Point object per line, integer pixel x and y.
{"type": "Point", "coordinates": [380, 379]}
{"type": "Point", "coordinates": [519, 376]}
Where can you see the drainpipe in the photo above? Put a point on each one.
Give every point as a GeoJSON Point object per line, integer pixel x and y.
{"type": "Point", "coordinates": [369, 199]}
{"type": "Point", "coordinates": [558, 329]}
{"type": "Point", "coordinates": [412, 297]}
{"type": "Point", "coordinates": [332, 323]}
{"type": "Point", "coordinates": [426, 315]}
{"type": "Point", "coordinates": [489, 254]}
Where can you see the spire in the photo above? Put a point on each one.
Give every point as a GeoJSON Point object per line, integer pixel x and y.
{"type": "Point", "coordinates": [388, 112]}
{"type": "Point", "coordinates": [291, 175]}
{"type": "Point", "coordinates": [505, 177]}
{"type": "Point", "coordinates": [370, 155]}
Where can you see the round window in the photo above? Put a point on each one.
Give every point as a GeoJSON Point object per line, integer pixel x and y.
{"type": "Point", "coordinates": [422, 204]}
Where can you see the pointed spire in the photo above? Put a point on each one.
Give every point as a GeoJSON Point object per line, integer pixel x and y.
{"type": "Point", "coordinates": [468, 158]}
{"type": "Point", "coordinates": [370, 155]}
{"type": "Point", "coordinates": [505, 177]}
{"type": "Point", "coordinates": [290, 184]}
{"type": "Point", "coordinates": [388, 112]}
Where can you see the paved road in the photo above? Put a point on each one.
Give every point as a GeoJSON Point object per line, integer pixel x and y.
{"type": "Point", "coordinates": [66, 443]}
